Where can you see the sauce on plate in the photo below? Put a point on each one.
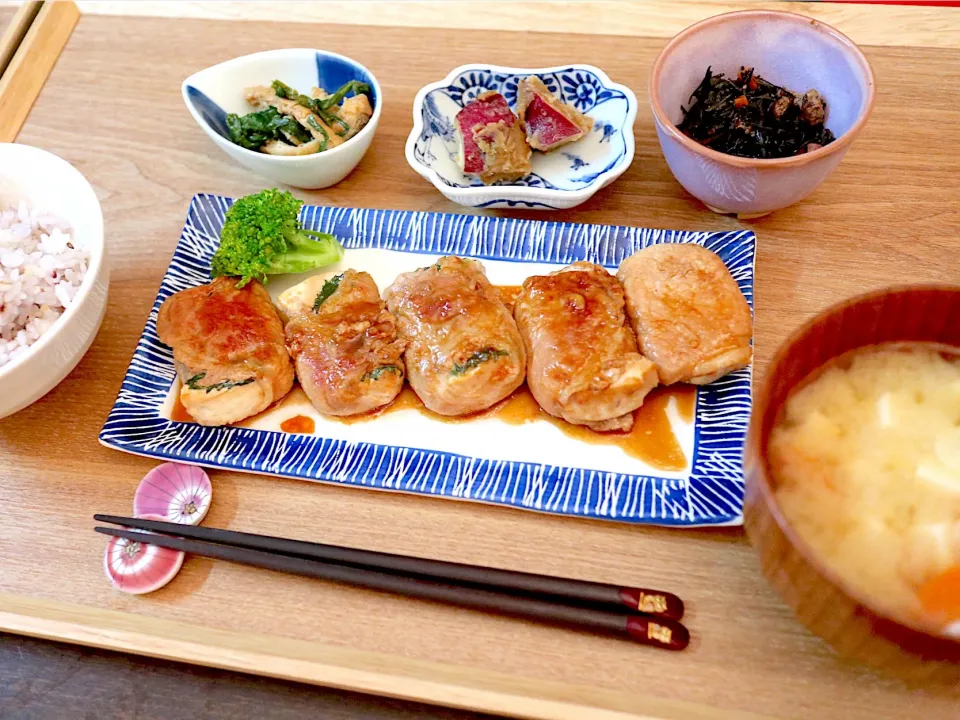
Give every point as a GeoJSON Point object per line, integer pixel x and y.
{"type": "Point", "coordinates": [651, 440]}
{"type": "Point", "coordinates": [300, 424]}
{"type": "Point", "coordinates": [179, 413]}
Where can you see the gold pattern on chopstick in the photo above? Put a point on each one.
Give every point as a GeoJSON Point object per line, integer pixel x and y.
{"type": "Point", "coordinates": [659, 633]}
{"type": "Point", "coordinates": [652, 603]}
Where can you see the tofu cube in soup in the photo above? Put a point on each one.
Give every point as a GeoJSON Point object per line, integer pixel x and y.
{"type": "Point", "coordinates": [549, 121]}
{"type": "Point", "coordinates": [491, 140]}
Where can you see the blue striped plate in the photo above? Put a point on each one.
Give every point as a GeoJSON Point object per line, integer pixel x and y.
{"type": "Point", "coordinates": [524, 467]}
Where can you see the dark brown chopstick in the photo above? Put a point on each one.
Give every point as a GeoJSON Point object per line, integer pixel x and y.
{"type": "Point", "coordinates": [662, 633]}
{"type": "Point", "coordinates": [591, 594]}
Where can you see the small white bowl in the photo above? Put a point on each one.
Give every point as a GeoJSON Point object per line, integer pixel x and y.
{"type": "Point", "coordinates": [213, 93]}
{"type": "Point", "coordinates": [561, 179]}
{"type": "Point", "coordinates": [47, 182]}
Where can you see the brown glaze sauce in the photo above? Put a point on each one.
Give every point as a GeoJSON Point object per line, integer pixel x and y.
{"type": "Point", "coordinates": [299, 424]}
{"type": "Point", "coordinates": [651, 440]}
{"type": "Point", "coordinates": [179, 412]}
{"type": "Point", "coordinates": [508, 294]}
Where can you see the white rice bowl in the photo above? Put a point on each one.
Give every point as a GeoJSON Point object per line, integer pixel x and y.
{"type": "Point", "coordinates": [41, 271]}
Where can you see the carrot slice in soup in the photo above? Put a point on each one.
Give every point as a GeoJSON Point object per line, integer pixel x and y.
{"type": "Point", "coordinates": [940, 596]}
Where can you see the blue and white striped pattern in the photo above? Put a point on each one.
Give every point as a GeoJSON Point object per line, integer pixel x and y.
{"type": "Point", "coordinates": [712, 494]}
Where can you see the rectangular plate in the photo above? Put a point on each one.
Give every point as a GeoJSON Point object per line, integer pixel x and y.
{"type": "Point", "coordinates": [533, 466]}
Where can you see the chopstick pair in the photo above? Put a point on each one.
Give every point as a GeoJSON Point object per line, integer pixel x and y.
{"type": "Point", "coordinates": [595, 607]}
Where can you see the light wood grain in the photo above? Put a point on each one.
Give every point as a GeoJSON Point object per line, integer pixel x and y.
{"type": "Point", "coordinates": [15, 30]}
{"type": "Point", "coordinates": [870, 24]}
{"type": "Point", "coordinates": [31, 63]}
{"type": "Point", "coordinates": [6, 18]}
{"type": "Point", "coordinates": [341, 667]}
{"type": "Point", "coordinates": [889, 214]}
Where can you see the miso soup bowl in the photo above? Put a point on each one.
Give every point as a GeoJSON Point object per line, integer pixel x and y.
{"type": "Point", "coordinates": [823, 601]}
{"type": "Point", "coordinates": [791, 50]}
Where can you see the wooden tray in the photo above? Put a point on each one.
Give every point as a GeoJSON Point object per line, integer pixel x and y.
{"type": "Point", "coordinates": [112, 107]}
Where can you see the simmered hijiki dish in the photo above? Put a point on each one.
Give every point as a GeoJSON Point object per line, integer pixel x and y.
{"type": "Point", "coordinates": [41, 270]}
{"type": "Point", "coordinates": [289, 123]}
{"type": "Point", "coordinates": [750, 117]}
{"type": "Point", "coordinates": [590, 345]}
{"type": "Point", "coordinates": [867, 461]}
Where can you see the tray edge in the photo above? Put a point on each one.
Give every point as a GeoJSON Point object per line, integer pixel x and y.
{"type": "Point", "coordinates": [339, 667]}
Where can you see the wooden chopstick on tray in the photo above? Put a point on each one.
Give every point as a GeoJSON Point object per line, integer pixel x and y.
{"type": "Point", "coordinates": [648, 602]}
{"type": "Point", "coordinates": [395, 577]}
{"type": "Point", "coordinates": [28, 52]}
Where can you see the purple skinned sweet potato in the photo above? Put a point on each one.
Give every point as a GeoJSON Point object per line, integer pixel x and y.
{"type": "Point", "coordinates": [548, 127]}
{"type": "Point", "coordinates": [549, 122]}
{"type": "Point", "coordinates": [488, 108]}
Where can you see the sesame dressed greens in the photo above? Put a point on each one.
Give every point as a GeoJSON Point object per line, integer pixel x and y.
{"type": "Point", "coordinates": [289, 123]}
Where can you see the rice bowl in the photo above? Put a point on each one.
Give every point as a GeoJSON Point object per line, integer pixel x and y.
{"type": "Point", "coordinates": [40, 273]}
{"type": "Point", "coordinates": [53, 272]}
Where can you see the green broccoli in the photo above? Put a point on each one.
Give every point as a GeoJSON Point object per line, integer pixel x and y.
{"type": "Point", "coordinates": [262, 236]}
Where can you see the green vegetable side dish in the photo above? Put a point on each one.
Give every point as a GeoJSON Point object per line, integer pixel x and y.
{"type": "Point", "coordinates": [325, 139]}
{"type": "Point", "coordinates": [289, 123]}
{"type": "Point", "coordinates": [256, 129]}
{"type": "Point", "coordinates": [262, 236]}
{"type": "Point", "coordinates": [321, 107]}
{"type": "Point", "coordinates": [481, 356]}
{"type": "Point", "coordinates": [377, 372]}
{"type": "Point", "coordinates": [194, 383]}
{"type": "Point", "coordinates": [329, 288]}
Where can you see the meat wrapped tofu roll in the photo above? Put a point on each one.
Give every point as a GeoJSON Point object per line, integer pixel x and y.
{"type": "Point", "coordinates": [463, 350]}
{"type": "Point", "coordinates": [583, 361]}
{"type": "Point", "coordinates": [689, 315]}
{"type": "Point", "coordinates": [344, 343]}
{"type": "Point", "coordinates": [229, 350]}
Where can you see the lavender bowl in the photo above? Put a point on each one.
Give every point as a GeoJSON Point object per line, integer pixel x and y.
{"type": "Point", "coordinates": [791, 50]}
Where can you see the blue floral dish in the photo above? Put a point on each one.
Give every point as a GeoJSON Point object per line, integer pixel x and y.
{"type": "Point", "coordinates": [560, 179]}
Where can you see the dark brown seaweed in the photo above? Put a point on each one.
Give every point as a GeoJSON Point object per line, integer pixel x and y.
{"type": "Point", "coordinates": [750, 117]}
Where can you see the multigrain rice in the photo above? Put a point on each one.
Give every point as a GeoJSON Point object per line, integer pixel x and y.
{"type": "Point", "coordinates": [40, 274]}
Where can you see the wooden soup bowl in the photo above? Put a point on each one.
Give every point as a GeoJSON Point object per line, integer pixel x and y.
{"type": "Point", "coordinates": [820, 599]}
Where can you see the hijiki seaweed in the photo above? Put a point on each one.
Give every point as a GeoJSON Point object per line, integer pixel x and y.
{"type": "Point", "coordinates": [753, 118]}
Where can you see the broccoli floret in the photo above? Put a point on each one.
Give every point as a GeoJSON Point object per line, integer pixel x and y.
{"type": "Point", "coordinates": [262, 236]}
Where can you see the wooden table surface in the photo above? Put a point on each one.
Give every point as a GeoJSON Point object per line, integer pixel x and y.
{"type": "Point", "coordinates": [891, 213]}
{"type": "Point", "coordinates": [41, 679]}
